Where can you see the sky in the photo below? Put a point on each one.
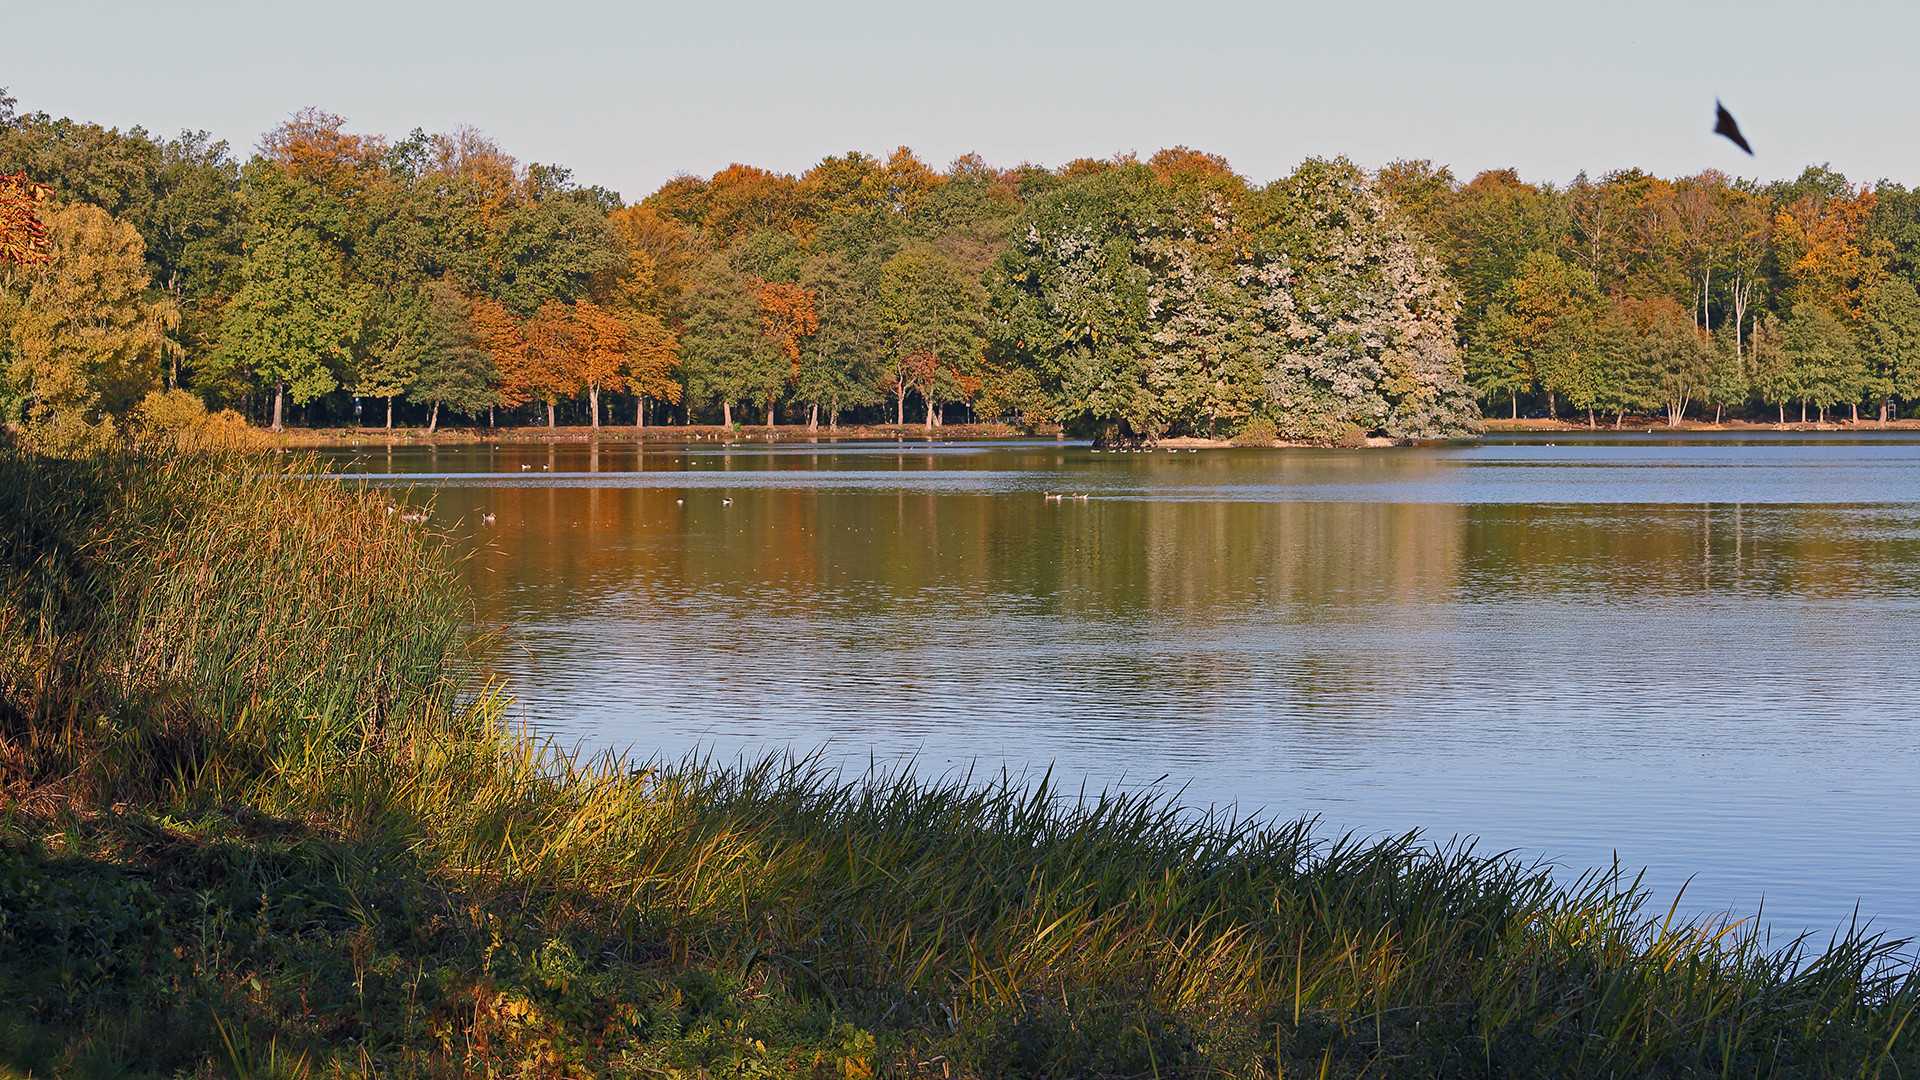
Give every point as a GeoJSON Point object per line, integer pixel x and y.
{"type": "Point", "coordinates": [629, 95]}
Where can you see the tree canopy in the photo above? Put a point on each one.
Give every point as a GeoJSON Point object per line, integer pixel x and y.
{"type": "Point", "coordinates": [1120, 298]}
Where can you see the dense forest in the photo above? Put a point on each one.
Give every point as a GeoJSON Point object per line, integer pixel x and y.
{"type": "Point", "coordinates": [338, 278]}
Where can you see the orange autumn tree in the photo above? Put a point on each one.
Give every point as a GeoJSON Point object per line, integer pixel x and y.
{"type": "Point", "coordinates": [642, 293]}
{"type": "Point", "coordinates": [787, 314]}
{"type": "Point", "coordinates": [652, 356]}
{"type": "Point", "coordinates": [1822, 241]}
{"type": "Point", "coordinates": [23, 236]}
{"type": "Point", "coordinates": [314, 146]}
{"type": "Point", "coordinates": [553, 345]}
{"type": "Point", "coordinates": [500, 337]}
{"type": "Point", "coordinates": [600, 341]}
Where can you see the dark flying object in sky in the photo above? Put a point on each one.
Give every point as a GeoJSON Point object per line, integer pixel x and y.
{"type": "Point", "coordinates": [1724, 125]}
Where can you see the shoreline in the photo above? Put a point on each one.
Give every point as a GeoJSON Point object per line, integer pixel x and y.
{"type": "Point", "coordinates": [800, 434]}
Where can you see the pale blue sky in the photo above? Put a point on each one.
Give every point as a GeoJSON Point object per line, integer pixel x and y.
{"type": "Point", "coordinates": [629, 95]}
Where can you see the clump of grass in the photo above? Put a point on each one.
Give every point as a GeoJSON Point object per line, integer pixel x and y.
{"type": "Point", "coordinates": [176, 619]}
{"type": "Point", "coordinates": [350, 853]}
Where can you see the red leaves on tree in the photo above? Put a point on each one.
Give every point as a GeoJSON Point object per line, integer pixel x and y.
{"type": "Point", "coordinates": [23, 236]}
{"type": "Point", "coordinates": [787, 314]}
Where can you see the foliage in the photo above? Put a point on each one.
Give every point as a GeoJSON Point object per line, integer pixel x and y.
{"type": "Point", "coordinates": [455, 371]}
{"type": "Point", "coordinates": [294, 320]}
{"type": "Point", "coordinates": [1890, 337]}
{"type": "Point", "coordinates": [1128, 299]}
{"type": "Point", "coordinates": [1823, 362]}
{"type": "Point", "coordinates": [926, 318]}
{"type": "Point", "coordinates": [86, 342]}
{"type": "Point", "coordinates": [23, 236]}
{"type": "Point", "coordinates": [1369, 317]}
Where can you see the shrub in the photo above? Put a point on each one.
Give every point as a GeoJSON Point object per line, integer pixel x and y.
{"type": "Point", "coordinates": [1258, 431]}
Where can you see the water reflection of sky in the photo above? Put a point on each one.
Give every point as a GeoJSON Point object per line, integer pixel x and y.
{"type": "Point", "coordinates": [1697, 655]}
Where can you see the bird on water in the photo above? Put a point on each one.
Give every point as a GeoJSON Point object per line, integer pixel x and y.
{"type": "Point", "coordinates": [1723, 124]}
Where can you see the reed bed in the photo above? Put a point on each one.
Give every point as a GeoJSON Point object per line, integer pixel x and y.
{"type": "Point", "coordinates": [231, 646]}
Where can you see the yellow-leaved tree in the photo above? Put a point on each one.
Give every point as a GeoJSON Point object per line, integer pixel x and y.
{"type": "Point", "coordinates": [643, 293]}
{"type": "Point", "coordinates": [88, 341]}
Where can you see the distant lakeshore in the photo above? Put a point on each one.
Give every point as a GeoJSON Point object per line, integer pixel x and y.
{"type": "Point", "coordinates": [321, 438]}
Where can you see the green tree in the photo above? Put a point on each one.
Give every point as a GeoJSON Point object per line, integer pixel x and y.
{"type": "Point", "coordinates": [1726, 383]}
{"type": "Point", "coordinates": [455, 371]}
{"type": "Point", "coordinates": [1769, 369]}
{"type": "Point", "coordinates": [1541, 331]}
{"type": "Point", "coordinates": [927, 314]}
{"type": "Point", "coordinates": [1485, 230]}
{"type": "Point", "coordinates": [1823, 362]}
{"type": "Point", "coordinates": [1890, 338]}
{"type": "Point", "coordinates": [1497, 359]}
{"type": "Point", "coordinates": [1072, 297]}
{"type": "Point", "coordinates": [839, 366]}
{"type": "Point", "coordinates": [725, 356]}
{"type": "Point", "coordinates": [294, 321]}
{"type": "Point", "coordinates": [1669, 360]}
{"type": "Point", "coordinates": [399, 336]}
{"type": "Point", "coordinates": [1365, 337]}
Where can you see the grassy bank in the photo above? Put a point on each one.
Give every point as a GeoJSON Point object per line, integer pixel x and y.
{"type": "Point", "coordinates": [260, 821]}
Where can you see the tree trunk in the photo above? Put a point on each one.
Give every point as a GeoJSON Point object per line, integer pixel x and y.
{"type": "Point", "coordinates": [1590, 422]}
{"type": "Point", "coordinates": [1783, 414]}
{"type": "Point", "coordinates": [433, 418]}
{"type": "Point", "coordinates": [1619, 418]}
{"type": "Point", "coordinates": [1739, 292]}
{"type": "Point", "coordinates": [771, 416]}
{"type": "Point", "coordinates": [1716, 413]}
{"type": "Point", "coordinates": [639, 410]}
{"type": "Point", "coordinates": [726, 415]}
{"type": "Point", "coordinates": [1553, 408]}
{"type": "Point", "coordinates": [1856, 412]}
{"type": "Point", "coordinates": [900, 407]}
{"type": "Point", "coordinates": [279, 399]}
{"type": "Point", "coordinates": [593, 403]}
{"type": "Point", "coordinates": [1803, 410]}
{"type": "Point", "coordinates": [549, 414]}
{"type": "Point", "coordinates": [1516, 407]}
{"type": "Point", "coordinates": [389, 412]}
{"type": "Point", "coordinates": [833, 415]}
{"type": "Point", "coordinates": [1883, 409]}
{"type": "Point", "coordinates": [929, 402]}
{"type": "Point", "coordinates": [813, 418]}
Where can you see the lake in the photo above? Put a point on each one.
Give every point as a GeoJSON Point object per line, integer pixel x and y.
{"type": "Point", "coordinates": [1696, 653]}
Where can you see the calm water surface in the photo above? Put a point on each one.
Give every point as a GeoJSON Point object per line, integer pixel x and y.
{"type": "Point", "coordinates": [1699, 655]}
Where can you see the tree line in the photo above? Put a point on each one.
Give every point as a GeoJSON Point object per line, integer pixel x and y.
{"type": "Point", "coordinates": [1705, 294]}
{"type": "Point", "coordinates": [335, 273]}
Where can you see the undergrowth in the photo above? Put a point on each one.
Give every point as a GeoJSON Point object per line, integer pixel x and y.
{"type": "Point", "coordinates": [260, 821]}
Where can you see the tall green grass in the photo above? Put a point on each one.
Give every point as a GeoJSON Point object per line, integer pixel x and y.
{"type": "Point", "coordinates": [183, 631]}
{"type": "Point", "coordinates": [170, 619]}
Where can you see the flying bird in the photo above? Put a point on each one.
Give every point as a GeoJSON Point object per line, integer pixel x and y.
{"type": "Point", "coordinates": [1723, 125]}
